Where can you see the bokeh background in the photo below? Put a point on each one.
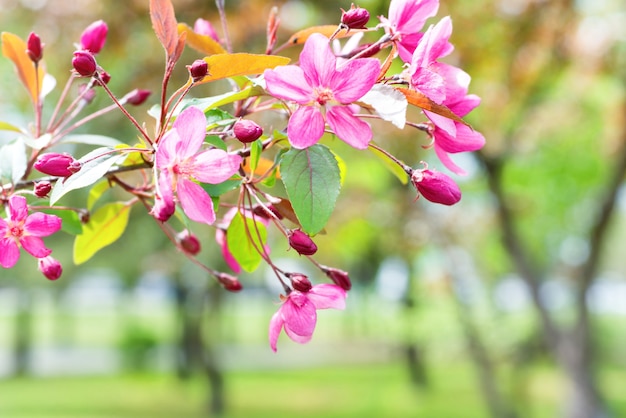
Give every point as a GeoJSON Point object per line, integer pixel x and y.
{"type": "Point", "coordinates": [510, 304]}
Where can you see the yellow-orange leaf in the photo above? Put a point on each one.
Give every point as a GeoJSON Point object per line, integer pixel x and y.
{"type": "Point", "coordinates": [14, 49]}
{"type": "Point", "coordinates": [420, 100]}
{"type": "Point", "coordinates": [201, 43]}
{"type": "Point", "coordinates": [301, 36]}
{"type": "Point", "coordinates": [164, 24]}
{"type": "Point", "coordinates": [263, 166]}
{"type": "Point", "coordinates": [231, 65]}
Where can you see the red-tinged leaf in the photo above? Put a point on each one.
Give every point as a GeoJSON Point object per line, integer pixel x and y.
{"type": "Point", "coordinates": [420, 100]}
{"type": "Point", "coordinates": [300, 37]}
{"type": "Point", "coordinates": [231, 65]}
{"type": "Point", "coordinates": [14, 49]}
{"type": "Point", "coordinates": [164, 24]}
{"type": "Point", "coordinates": [201, 43]}
{"type": "Point", "coordinates": [180, 47]}
{"type": "Point", "coordinates": [284, 208]}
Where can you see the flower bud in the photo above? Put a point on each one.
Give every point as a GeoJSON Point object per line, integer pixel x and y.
{"type": "Point", "coordinates": [198, 70]}
{"type": "Point", "coordinates": [84, 63]}
{"type": "Point", "coordinates": [247, 130]}
{"type": "Point", "coordinates": [355, 17]}
{"type": "Point", "coordinates": [104, 78]}
{"type": "Point", "coordinates": [162, 209]}
{"type": "Point", "coordinates": [188, 242]}
{"type": "Point", "coordinates": [230, 283]}
{"type": "Point", "coordinates": [302, 243]}
{"type": "Point", "coordinates": [42, 188]}
{"type": "Point", "coordinates": [339, 277]}
{"type": "Point", "coordinates": [300, 282]}
{"type": "Point", "coordinates": [94, 36]}
{"type": "Point", "coordinates": [137, 97]}
{"type": "Point", "coordinates": [204, 27]}
{"type": "Point", "coordinates": [436, 187]}
{"type": "Point", "coordinates": [50, 267]}
{"type": "Point", "coordinates": [34, 47]}
{"type": "Point", "coordinates": [54, 164]}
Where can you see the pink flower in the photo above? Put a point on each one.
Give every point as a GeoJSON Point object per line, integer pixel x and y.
{"type": "Point", "coordinates": [436, 187]}
{"type": "Point", "coordinates": [320, 84]}
{"type": "Point", "coordinates": [450, 136]}
{"type": "Point", "coordinates": [94, 36]}
{"type": "Point", "coordinates": [22, 230]}
{"type": "Point", "coordinates": [406, 19]}
{"type": "Point", "coordinates": [50, 267]}
{"type": "Point", "coordinates": [298, 314]}
{"type": "Point", "coordinates": [180, 161]}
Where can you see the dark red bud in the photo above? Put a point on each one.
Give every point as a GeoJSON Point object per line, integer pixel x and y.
{"type": "Point", "coordinates": [188, 242]}
{"type": "Point", "coordinates": [54, 164]}
{"type": "Point", "coordinates": [436, 187]}
{"type": "Point", "coordinates": [355, 17]}
{"type": "Point", "coordinates": [230, 283]}
{"type": "Point", "coordinates": [198, 70]}
{"type": "Point", "coordinates": [339, 277]}
{"type": "Point", "coordinates": [137, 97]}
{"type": "Point", "coordinates": [247, 131]}
{"type": "Point", "coordinates": [34, 47]}
{"type": "Point", "coordinates": [94, 36]}
{"type": "Point", "coordinates": [104, 77]}
{"type": "Point", "coordinates": [302, 243]}
{"type": "Point", "coordinates": [50, 267]}
{"type": "Point", "coordinates": [300, 282]}
{"type": "Point", "coordinates": [84, 63]}
{"type": "Point", "coordinates": [42, 188]}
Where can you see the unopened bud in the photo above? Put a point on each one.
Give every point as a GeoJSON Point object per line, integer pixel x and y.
{"type": "Point", "coordinates": [50, 267]}
{"type": "Point", "coordinates": [42, 188]}
{"type": "Point", "coordinates": [302, 243]}
{"type": "Point", "coordinates": [104, 78]}
{"type": "Point", "coordinates": [355, 17]}
{"type": "Point", "coordinates": [204, 27]}
{"type": "Point", "coordinates": [137, 97]}
{"type": "Point", "coordinates": [247, 130]}
{"type": "Point", "coordinates": [34, 47]}
{"type": "Point", "coordinates": [230, 283]}
{"type": "Point", "coordinates": [339, 277]}
{"type": "Point", "coordinates": [84, 63]}
{"type": "Point", "coordinates": [94, 36]}
{"type": "Point", "coordinates": [59, 165]}
{"type": "Point", "coordinates": [436, 187]}
{"type": "Point", "coordinates": [188, 242]}
{"type": "Point", "coordinates": [163, 209]}
{"type": "Point", "coordinates": [300, 282]}
{"type": "Point", "coordinates": [198, 70]}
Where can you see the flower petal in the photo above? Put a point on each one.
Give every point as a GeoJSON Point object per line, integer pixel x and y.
{"type": "Point", "coordinates": [306, 127]}
{"type": "Point", "coordinates": [354, 79]}
{"type": "Point", "coordinates": [9, 252]}
{"type": "Point", "coordinates": [348, 127]}
{"type": "Point", "coordinates": [215, 166]}
{"type": "Point", "coordinates": [166, 150]}
{"type": "Point", "coordinates": [276, 325]}
{"type": "Point", "coordinates": [191, 127]}
{"type": "Point", "coordinates": [318, 61]}
{"type": "Point", "coordinates": [196, 203]}
{"type": "Point", "coordinates": [466, 139]}
{"type": "Point", "coordinates": [430, 83]}
{"type": "Point", "coordinates": [447, 161]}
{"type": "Point", "coordinates": [35, 246]}
{"type": "Point", "coordinates": [300, 317]}
{"type": "Point", "coordinates": [18, 208]}
{"type": "Point", "coordinates": [41, 224]}
{"type": "Point", "coordinates": [288, 82]}
{"type": "Point", "coordinates": [327, 295]}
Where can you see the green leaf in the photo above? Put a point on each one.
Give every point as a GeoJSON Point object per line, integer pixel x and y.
{"type": "Point", "coordinates": [71, 221]}
{"type": "Point", "coordinates": [215, 190]}
{"type": "Point", "coordinates": [312, 180]}
{"type": "Point", "coordinates": [5, 126]}
{"type": "Point", "coordinates": [105, 226]}
{"type": "Point", "coordinates": [96, 192]}
{"type": "Point", "coordinates": [245, 238]}
{"type": "Point", "coordinates": [391, 165]}
{"type": "Point", "coordinates": [256, 148]}
{"type": "Point", "coordinates": [227, 98]}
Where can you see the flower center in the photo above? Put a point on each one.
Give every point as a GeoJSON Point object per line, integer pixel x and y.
{"type": "Point", "coordinates": [16, 231]}
{"type": "Point", "coordinates": [323, 95]}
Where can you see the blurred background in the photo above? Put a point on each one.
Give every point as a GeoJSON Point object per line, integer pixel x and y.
{"type": "Point", "coordinates": [510, 304]}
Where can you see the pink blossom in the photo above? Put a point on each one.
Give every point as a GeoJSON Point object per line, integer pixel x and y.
{"type": "Point", "coordinates": [23, 230]}
{"type": "Point", "coordinates": [181, 162]}
{"type": "Point", "coordinates": [436, 187]}
{"type": "Point", "coordinates": [204, 27]}
{"type": "Point", "coordinates": [50, 267]}
{"type": "Point", "coordinates": [94, 36]}
{"type": "Point", "coordinates": [298, 313]}
{"type": "Point", "coordinates": [406, 19]}
{"type": "Point", "coordinates": [324, 89]}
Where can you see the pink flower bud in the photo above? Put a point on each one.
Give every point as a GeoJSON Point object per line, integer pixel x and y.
{"type": "Point", "coordinates": [94, 36]}
{"type": "Point", "coordinates": [84, 63]}
{"type": "Point", "coordinates": [436, 187]}
{"type": "Point", "coordinates": [247, 131]}
{"type": "Point", "coordinates": [104, 77]}
{"type": "Point", "coordinates": [50, 267]}
{"type": "Point", "coordinates": [54, 164]}
{"type": "Point", "coordinates": [204, 27]}
{"type": "Point", "coordinates": [300, 282]}
{"type": "Point", "coordinates": [137, 97]}
{"type": "Point", "coordinates": [42, 188]}
{"type": "Point", "coordinates": [198, 70]}
{"type": "Point", "coordinates": [355, 17]}
{"type": "Point", "coordinates": [163, 209]}
{"type": "Point", "coordinates": [339, 277]}
{"type": "Point", "coordinates": [230, 283]}
{"type": "Point", "coordinates": [188, 242]}
{"type": "Point", "coordinates": [302, 243]}
{"type": "Point", "coordinates": [34, 47]}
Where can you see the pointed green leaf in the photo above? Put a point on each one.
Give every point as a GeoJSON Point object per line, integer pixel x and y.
{"type": "Point", "coordinates": [312, 180]}
{"type": "Point", "coordinates": [105, 226]}
{"type": "Point", "coordinates": [246, 239]}
{"type": "Point", "coordinates": [391, 165]}
{"type": "Point", "coordinates": [5, 126]}
{"type": "Point", "coordinates": [256, 148]}
{"type": "Point", "coordinates": [96, 192]}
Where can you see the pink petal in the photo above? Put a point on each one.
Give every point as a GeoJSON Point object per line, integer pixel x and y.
{"type": "Point", "coordinates": [465, 105]}
{"type": "Point", "coordinates": [196, 203]}
{"type": "Point", "coordinates": [288, 82]}
{"type": "Point", "coordinates": [166, 151]}
{"type": "Point", "coordinates": [306, 127]}
{"type": "Point", "coordinates": [355, 79]}
{"type": "Point", "coordinates": [447, 161]}
{"type": "Point", "coordinates": [9, 252]}
{"type": "Point", "coordinates": [466, 139]}
{"type": "Point", "coordinates": [276, 325]}
{"type": "Point", "coordinates": [438, 44]}
{"type": "Point", "coordinates": [215, 166]}
{"type": "Point", "coordinates": [327, 295]}
{"type": "Point", "coordinates": [18, 208]}
{"type": "Point", "coordinates": [4, 227]}
{"type": "Point", "coordinates": [220, 237]}
{"type": "Point", "coordinates": [41, 225]}
{"type": "Point", "coordinates": [318, 61]}
{"type": "Point", "coordinates": [442, 123]}
{"type": "Point", "coordinates": [35, 246]}
{"type": "Point", "coordinates": [300, 317]}
{"type": "Point", "coordinates": [409, 15]}
{"type": "Point", "coordinates": [430, 83]}
{"type": "Point", "coordinates": [348, 127]}
{"type": "Point", "coordinates": [191, 127]}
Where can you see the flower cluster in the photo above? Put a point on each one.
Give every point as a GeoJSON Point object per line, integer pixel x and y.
{"type": "Point", "coordinates": [207, 167]}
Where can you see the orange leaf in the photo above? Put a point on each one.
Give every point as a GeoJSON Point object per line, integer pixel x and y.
{"type": "Point", "coordinates": [420, 100]}
{"type": "Point", "coordinates": [164, 24]}
{"type": "Point", "coordinates": [300, 37]}
{"type": "Point", "coordinates": [284, 208]}
{"type": "Point", "coordinates": [263, 166]}
{"type": "Point", "coordinates": [14, 49]}
{"type": "Point", "coordinates": [201, 43]}
{"type": "Point", "coordinates": [231, 65]}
